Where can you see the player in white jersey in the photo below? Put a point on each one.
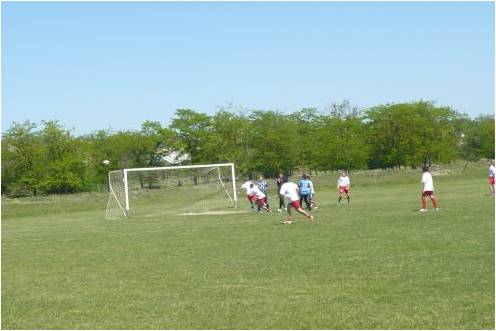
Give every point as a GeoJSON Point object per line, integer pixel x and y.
{"type": "Point", "coordinates": [428, 190]}
{"type": "Point", "coordinates": [490, 180]}
{"type": "Point", "coordinates": [247, 187]}
{"type": "Point", "coordinates": [260, 197]}
{"type": "Point", "coordinates": [344, 187]}
{"type": "Point", "coordinates": [312, 194]}
{"type": "Point", "coordinates": [290, 191]}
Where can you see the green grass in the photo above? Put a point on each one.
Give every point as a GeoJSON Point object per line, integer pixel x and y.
{"type": "Point", "coordinates": [377, 264]}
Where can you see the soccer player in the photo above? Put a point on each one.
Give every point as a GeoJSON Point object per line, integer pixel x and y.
{"type": "Point", "coordinates": [312, 194]}
{"type": "Point", "coordinates": [491, 178]}
{"type": "Point", "coordinates": [260, 197]}
{"type": "Point", "coordinates": [279, 182]}
{"type": "Point", "coordinates": [305, 191]}
{"type": "Point", "coordinates": [343, 187]}
{"type": "Point", "coordinates": [290, 191]}
{"type": "Point", "coordinates": [247, 187]}
{"type": "Point", "coordinates": [264, 187]}
{"type": "Point", "coordinates": [428, 190]}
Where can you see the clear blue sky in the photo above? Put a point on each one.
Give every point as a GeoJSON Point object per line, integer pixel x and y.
{"type": "Point", "coordinates": [97, 65]}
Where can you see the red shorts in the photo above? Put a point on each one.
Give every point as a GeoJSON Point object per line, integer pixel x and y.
{"type": "Point", "coordinates": [490, 180]}
{"type": "Point", "coordinates": [262, 202]}
{"type": "Point", "coordinates": [427, 193]}
{"type": "Point", "coordinates": [343, 189]}
{"type": "Point", "coordinates": [251, 197]}
{"type": "Point", "coordinates": [296, 204]}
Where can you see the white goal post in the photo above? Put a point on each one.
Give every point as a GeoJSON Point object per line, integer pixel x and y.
{"type": "Point", "coordinates": [171, 190]}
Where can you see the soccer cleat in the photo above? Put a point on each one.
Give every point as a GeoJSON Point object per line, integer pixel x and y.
{"type": "Point", "coordinates": [310, 218]}
{"type": "Point", "coordinates": [279, 210]}
{"type": "Point", "coordinates": [437, 209]}
{"type": "Point", "coordinates": [422, 210]}
{"type": "Point", "coordinates": [287, 222]}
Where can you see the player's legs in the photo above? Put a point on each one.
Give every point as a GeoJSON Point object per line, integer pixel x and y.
{"type": "Point", "coordinates": [262, 203]}
{"type": "Point", "coordinates": [250, 199]}
{"type": "Point", "coordinates": [305, 198]}
{"type": "Point", "coordinates": [312, 201]}
{"type": "Point", "coordinates": [491, 186]}
{"type": "Point", "coordinates": [340, 196]}
{"type": "Point", "coordinates": [424, 202]}
{"type": "Point", "coordinates": [290, 217]}
{"type": "Point", "coordinates": [266, 199]}
{"type": "Point", "coordinates": [281, 202]}
{"type": "Point", "coordinates": [348, 197]}
{"type": "Point", "coordinates": [434, 200]}
{"type": "Point", "coordinates": [304, 213]}
{"type": "Point", "coordinates": [296, 205]}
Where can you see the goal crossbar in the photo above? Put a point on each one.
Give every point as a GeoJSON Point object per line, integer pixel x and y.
{"type": "Point", "coordinates": [181, 167]}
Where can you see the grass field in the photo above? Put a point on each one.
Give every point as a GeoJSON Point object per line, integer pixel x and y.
{"type": "Point", "coordinates": [378, 264]}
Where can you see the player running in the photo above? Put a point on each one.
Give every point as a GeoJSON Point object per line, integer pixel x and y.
{"type": "Point", "coordinates": [304, 185]}
{"type": "Point", "coordinates": [260, 197]}
{"type": "Point", "coordinates": [290, 191]}
{"type": "Point", "coordinates": [491, 178]}
{"type": "Point", "coordinates": [344, 187]}
{"type": "Point", "coordinates": [428, 190]}
{"type": "Point", "coordinates": [247, 187]}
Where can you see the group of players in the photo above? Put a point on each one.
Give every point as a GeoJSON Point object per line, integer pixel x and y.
{"type": "Point", "coordinates": [295, 194]}
{"type": "Point", "coordinates": [303, 191]}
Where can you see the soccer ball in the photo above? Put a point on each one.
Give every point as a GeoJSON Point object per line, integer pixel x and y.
{"type": "Point", "coordinates": [106, 162]}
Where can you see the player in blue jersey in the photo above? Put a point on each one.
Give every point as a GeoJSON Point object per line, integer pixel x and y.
{"type": "Point", "coordinates": [305, 187]}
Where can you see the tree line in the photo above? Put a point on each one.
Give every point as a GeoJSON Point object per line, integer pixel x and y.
{"type": "Point", "coordinates": [48, 158]}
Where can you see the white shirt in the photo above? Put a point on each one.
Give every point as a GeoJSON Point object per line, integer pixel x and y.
{"type": "Point", "coordinates": [290, 191]}
{"type": "Point", "coordinates": [491, 171]}
{"type": "Point", "coordinates": [256, 191]}
{"type": "Point", "coordinates": [311, 187]}
{"type": "Point", "coordinates": [344, 181]}
{"type": "Point", "coordinates": [427, 181]}
{"type": "Point", "coordinates": [246, 186]}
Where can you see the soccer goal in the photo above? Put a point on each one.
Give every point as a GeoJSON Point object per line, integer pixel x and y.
{"type": "Point", "coordinates": [171, 190]}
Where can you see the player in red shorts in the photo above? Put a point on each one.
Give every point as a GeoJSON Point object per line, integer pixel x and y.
{"type": "Point", "coordinates": [490, 180]}
{"type": "Point", "coordinates": [343, 187]}
{"type": "Point", "coordinates": [260, 197]}
{"type": "Point", "coordinates": [290, 191]}
{"type": "Point", "coordinates": [428, 190]}
{"type": "Point", "coordinates": [250, 196]}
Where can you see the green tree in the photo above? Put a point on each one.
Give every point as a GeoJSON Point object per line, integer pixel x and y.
{"type": "Point", "coordinates": [63, 161]}
{"type": "Point", "coordinates": [274, 139]}
{"type": "Point", "coordinates": [193, 130]}
{"type": "Point", "coordinates": [21, 160]}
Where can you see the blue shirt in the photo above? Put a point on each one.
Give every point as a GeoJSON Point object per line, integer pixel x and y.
{"type": "Point", "coordinates": [262, 185]}
{"type": "Point", "coordinates": [304, 185]}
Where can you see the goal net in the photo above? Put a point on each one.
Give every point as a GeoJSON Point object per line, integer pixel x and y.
{"type": "Point", "coordinates": [171, 190]}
